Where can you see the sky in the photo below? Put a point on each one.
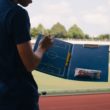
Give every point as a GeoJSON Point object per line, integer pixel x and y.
{"type": "Point", "coordinates": [92, 16]}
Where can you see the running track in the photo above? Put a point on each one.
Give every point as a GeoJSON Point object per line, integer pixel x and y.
{"type": "Point", "coordinates": [76, 102]}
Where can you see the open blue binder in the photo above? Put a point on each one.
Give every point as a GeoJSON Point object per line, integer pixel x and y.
{"type": "Point", "coordinates": [84, 62]}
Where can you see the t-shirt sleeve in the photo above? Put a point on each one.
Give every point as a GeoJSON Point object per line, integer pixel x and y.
{"type": "Point", "coordinates": [21, 26]}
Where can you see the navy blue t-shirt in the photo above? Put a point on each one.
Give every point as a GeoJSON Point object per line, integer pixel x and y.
{"type": "Point", "coordinates": [14, 29]}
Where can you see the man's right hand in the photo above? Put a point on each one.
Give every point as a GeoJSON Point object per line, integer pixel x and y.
{"type": "Point", "coordinates": [45, 43]}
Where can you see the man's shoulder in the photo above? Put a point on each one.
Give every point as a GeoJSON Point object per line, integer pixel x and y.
{"type": "Point", "coordinates": [18, 9]}
{"type": "Point", "coordinates": [17, 12]}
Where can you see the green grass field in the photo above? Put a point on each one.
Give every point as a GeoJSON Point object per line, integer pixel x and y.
{"type": "Point", "coordinates": [50, 83]}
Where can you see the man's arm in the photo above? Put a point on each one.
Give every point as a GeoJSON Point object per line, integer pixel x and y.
{"type": "Point", "coordinates": [29, 58]}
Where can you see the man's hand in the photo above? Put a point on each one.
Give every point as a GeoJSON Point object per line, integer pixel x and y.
{"type": "Point", "coordinates": [45, 43]}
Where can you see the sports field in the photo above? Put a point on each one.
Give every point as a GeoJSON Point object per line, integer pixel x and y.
{"type": "Point", "coordinates": [50, 83]}
{"type": "Point", "coordinates": [53, 84]}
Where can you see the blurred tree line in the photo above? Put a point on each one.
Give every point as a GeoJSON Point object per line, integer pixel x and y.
{"type": "Point", "coordinates": [74, 32]}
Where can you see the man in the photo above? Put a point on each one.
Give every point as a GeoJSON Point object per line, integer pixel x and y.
{"type": "Point", "coordinates": [18, 90]}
